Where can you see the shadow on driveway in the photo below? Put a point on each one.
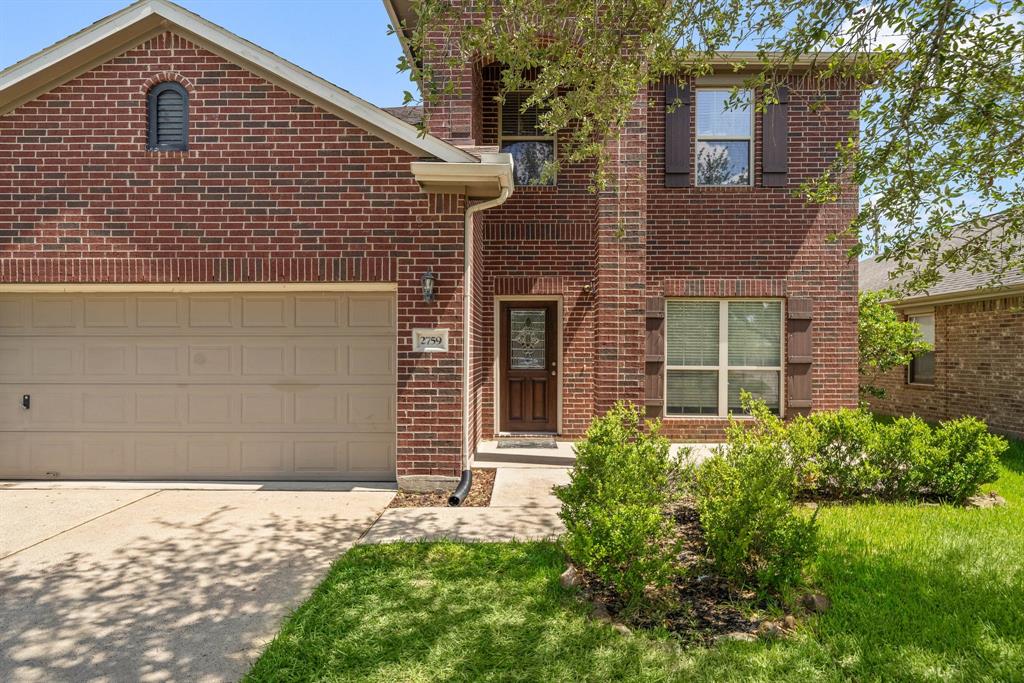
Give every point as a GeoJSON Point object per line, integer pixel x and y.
{"type": "Point", "coordinates": [182, 585]}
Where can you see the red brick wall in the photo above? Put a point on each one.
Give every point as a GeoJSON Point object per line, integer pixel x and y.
{"type": "Point", "coordinates": [712, 242]}
{"type": "Point", "coordinates": [271, 189]}
{"type": "Point", "coordinates": [763, 241]}
{"type": "Point", "coordinates": [979, 368]}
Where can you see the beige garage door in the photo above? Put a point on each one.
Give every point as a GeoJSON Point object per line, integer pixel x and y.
{"type": "Point", "coordinates": [198, 386]}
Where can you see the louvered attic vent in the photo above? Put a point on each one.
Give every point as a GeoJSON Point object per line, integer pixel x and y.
{"type": "Point", "coordinates": [168, 117]}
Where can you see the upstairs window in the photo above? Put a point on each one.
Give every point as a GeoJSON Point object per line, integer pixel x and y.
{"type": "Point", "coordinates": [531, 148]}
{"type": "Point", "coordinates": [168, 117]}
{"type": "Point", "coordinates": [922, 369]}
{"type": "Point", "coordinates": [724, 138]}
{"type": "Point", "coordinates": [716, 349]}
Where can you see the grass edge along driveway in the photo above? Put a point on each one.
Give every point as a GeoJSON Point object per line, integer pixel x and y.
{"type": "Point", "coordinates": [920, 593]}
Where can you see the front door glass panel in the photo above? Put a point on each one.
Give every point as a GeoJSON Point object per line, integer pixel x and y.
{"type": "Point", "coordinates": [528, 339]}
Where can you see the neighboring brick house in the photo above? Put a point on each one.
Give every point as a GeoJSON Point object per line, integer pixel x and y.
{"type": "Point", "coordinates": [977, 365]}
{"type": "Point", "coordinates": [217, 265]}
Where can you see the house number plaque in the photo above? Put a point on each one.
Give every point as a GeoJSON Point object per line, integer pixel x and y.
{"type": "Point", "coordinates": [428, 341]}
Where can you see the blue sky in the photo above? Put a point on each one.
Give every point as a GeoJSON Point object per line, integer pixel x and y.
{"type": "Point", "coordinates": [344, 41]}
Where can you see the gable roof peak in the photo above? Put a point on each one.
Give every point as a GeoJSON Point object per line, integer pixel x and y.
{"type": "Point", "coordinates": [140, 21]}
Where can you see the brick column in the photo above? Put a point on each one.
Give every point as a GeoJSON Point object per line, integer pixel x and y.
{"type": "Point", "coordinates": [620, 266]}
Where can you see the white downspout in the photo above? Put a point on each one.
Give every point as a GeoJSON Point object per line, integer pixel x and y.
{"type": "Point", "coordinates": [467, 308]}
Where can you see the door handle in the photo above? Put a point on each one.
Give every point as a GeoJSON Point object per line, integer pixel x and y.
{"type": "Point", "coordinates": [26, 401]}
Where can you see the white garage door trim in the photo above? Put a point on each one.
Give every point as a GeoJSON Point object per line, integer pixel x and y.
{"type": "Point", "coordinates": [190, 287]}
{"type": "Point", "coordinates": [241, 446]}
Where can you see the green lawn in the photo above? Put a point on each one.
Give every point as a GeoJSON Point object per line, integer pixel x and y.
{"type": "Point", "coordinates": [919, 593]}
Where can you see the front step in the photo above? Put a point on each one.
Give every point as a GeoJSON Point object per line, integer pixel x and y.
{"type": "Point", "coordinates": [527, 442]}
{"type": "Point", "coordinates": [525, 452]}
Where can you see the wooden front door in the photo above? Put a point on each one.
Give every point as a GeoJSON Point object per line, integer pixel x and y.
{"type": "Point", "coordinates": [529, 366]}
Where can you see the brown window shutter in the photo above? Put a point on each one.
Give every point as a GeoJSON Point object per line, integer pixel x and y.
{"type": "Point", "coordinates": [775, 143]}
{"type": "Point", "coordinates": [677, 134]}
{"type": "Point", "coordinates": [654, 380]}
{"type": "Point", "coordinates": [799, 354]}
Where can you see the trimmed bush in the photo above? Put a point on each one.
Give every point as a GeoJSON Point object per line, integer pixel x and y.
{"type": "Point", "coordinates": [847, 454]}
{"type": "Point", "coordinates": [614, 506]}
{"type": "Point", "coordinates": [745, 494]}
{"type": "Point", "coordinates": [964, 457]}
{"type": "Point", "coordinates": [840, 454]}
{"type": "Point", "coordinates": [897, 453]}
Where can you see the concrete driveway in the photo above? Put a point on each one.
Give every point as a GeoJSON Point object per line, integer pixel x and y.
{"type": "Point", "coordinates": [147, 584]}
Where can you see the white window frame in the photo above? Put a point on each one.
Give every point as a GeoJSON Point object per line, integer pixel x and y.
{"type": "Point", "coordinates": [723, 366]}
{"type": "Point", "coordinates": [698, 138]}
{"type": "Point", "coordinates": [914, 317]}
{"type": "Point", "coordinates": [502, 139]}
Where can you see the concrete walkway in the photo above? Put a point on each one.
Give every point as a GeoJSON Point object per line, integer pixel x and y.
{"type": "Point", "coordinates": [523, 507]}
{"type": "Point", "coordinates": [137, 584]}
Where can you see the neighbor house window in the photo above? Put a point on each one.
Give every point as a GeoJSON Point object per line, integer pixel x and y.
{"type": "Point", "coordinates": [531, 148]}
{"type": "Point", "coordinates": [922, 368]}
{"type": "Point", "coordinates": [724, 137]}
{"type": "Point", "coordinates": [715, 349]}
{"type": "Point", "coordinates": [168, 117]}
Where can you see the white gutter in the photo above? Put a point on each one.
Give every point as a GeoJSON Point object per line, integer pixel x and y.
{"type": "Point", "coordinates": [467, 309]}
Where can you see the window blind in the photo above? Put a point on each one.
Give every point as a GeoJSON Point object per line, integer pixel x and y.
{"type": "Point", "coordinates": [517, 122]}
{"type": "Point", "coordinates": [692, 337]}
{"type": "Point", "coordinates": [755, 333]}
{"type": "Point", "coordinates": [692, 392]}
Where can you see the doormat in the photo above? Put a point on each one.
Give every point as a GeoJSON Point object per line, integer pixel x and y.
{"type": "Point", "coordinates": [519, 442]}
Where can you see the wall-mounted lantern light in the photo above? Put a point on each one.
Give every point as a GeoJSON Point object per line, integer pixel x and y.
{"type": "Point", "coordinates": [427, 280]}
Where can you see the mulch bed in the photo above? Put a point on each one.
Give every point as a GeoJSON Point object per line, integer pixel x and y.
{"type": "Point", "coordinates": [479, 494]}
{"type": "Point", "coordinates": [703, 606]}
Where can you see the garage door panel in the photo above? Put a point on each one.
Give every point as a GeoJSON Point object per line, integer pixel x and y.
{"type": "Point", "coordinates": [158, 311]}
{"type": "Point", "coordinates": [207, 386]}
{"type": "Point", "coordinates": [284, 456]}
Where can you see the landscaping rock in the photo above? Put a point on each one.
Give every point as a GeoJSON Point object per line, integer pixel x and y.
{"type": "Point", "coordinates": [570, 578]}
{"type": "Point", "coordinates": [770, 630]}
{"type": "Point", "coordinates": [741, 636]}
{"type": "Point", "coordinates": [789, 622]}
{"type": "Point", "coordinates": [986, 500]}
{"type": "Point", "coordinates": [599, 612]}
{"type": "Point", "coordinates": [816, 603]}
{"type": "Point", "coordinates": [622, 628]}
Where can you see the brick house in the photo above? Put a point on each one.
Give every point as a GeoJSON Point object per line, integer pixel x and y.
{"type": "Point", "coordinates": [977, 365]}
{"type": "Point", "coordinates": [217, 265]}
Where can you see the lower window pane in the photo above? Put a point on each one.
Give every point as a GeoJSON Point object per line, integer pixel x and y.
{"type": "Point", "coordinates": [530, 158]}
{"type": "Point", "coordinates": [922, 368]}
{"type": "Point", "coordinates": [763, 384]}
{"type": "Point", "coordinates": [723, 162]}
{"type": "Point", "coordinates": [692, 392]}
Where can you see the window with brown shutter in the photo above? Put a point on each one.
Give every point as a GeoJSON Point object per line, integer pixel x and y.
{"type": "Point", "coordinates": [677, 134]}
{"type": "Point", "coordinates": [775, 145]}
{"type": "Point", "coordinates": [799, 354]}
{"type": "Point", "coordinates": [168, 117]}
{"type": "Point", "coordinates": [654, 372]}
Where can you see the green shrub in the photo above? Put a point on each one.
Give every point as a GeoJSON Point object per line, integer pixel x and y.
{"type": "Point", "coordinates": [840, 454]}
{"type": "Point", "coordinates": [964, 457]}
{"type": "Point", "coordinates": [614, 506]}
{"type": "Point", "coordinates": [745, 494]}
{"type": "Point", "coordinates": [896, 455]}
{"type": "Point", "coordinates": [847, 454]}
